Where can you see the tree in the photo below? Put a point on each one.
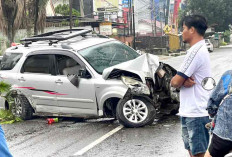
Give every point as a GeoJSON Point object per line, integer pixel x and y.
{"type": "Point", "coordinates": [226, 36]}
{"type": "Point", "coordinates": [11, 13]}
{"type": "Point", "coordinates": [63, 9]}
{"type": "Point", "coordinates": [40, 15]}
{"type": "Point", "coordinates": [35, 16]}
{"type": "Point", "coordinates": [14, 13]}
{"type": "Point", "coordinates": [217, 12]}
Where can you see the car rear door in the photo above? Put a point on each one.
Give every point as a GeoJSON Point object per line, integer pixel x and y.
{"type": "Point", "coordinates": [39, 83]}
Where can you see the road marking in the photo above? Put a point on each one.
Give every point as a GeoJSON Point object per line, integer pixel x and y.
{"type": "Point", "coordinates": [91, 145]}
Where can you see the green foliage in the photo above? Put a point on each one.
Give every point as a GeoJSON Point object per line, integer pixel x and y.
{"type": "Point", "coordinates": [217, 12]}
{"type": "Point", "coordinates": [223, 44]}
{"type": "Point", "coordinates": [63, 9]}
{"type": "Point", "coordinates": [6, 116]}
{"type": "Point", "coordinates": [181, 14]}
{"type": "Point", "coordinates": [226, 36]}
{"type": "Point", "coordinates": [4, 87]}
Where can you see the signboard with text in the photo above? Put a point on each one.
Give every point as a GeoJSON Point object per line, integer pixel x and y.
{"type": "Point", "coordinates": [125, 3]}
{"type": "Point", "coordinates": [105, 5]}
{"type": "Point", "coordinates": [106, 28]}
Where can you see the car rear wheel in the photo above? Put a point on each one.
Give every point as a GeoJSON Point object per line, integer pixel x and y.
{"type": "Point", "coordinates": [22, 108]}
{"type": "Point", "coordinates": [135, 112]}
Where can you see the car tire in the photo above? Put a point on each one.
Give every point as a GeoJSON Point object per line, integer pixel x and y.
{"type": "Point", "coordinates": [22, 108]}
{"type": "Point", "coordinates": [153, 116]}
{"type": "Point", "coordinates": [135, 112]}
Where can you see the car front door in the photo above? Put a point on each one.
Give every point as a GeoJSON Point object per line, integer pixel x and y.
{"type": "Point", "coordinates": [39, 83]}
{"type": "Point", "coordinates": [78, 100]}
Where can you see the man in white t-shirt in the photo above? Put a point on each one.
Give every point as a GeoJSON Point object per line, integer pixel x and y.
{"type": "Point", "coordinates": [193, 97]}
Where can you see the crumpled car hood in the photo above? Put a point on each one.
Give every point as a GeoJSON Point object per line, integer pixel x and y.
{"type": "Point", "coordinates": [144, 66]}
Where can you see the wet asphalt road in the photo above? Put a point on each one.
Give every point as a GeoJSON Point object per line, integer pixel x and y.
{"type": "Point", "coordinates": [35, 138]}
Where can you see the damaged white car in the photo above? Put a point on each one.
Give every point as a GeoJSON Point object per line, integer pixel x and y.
{"type": "Point", "coordinates": [80, 74]}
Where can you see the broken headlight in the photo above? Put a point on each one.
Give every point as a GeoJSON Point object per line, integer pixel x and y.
{"type": "Point", "coordinates": [136, 87]}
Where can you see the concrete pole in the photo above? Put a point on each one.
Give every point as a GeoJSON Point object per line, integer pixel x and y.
{"type": "Point", "coordinates": [154, 15]}
{"type": "Point", "coordinates": [167, 12]}
{"type": "Point", "coordinates": [161, 24]}
{"type": "Point", "coordinates": [82, 8]}
{"type": "Point", "coordinates": [133, 12]}
{"type": "Point", "coordinates": [70, 15]}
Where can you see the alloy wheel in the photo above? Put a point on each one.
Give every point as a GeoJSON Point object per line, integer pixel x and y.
{"type": "Point", "coordinates": [135, 110]}
{"type": "Point", "coordinates": [18, 106]}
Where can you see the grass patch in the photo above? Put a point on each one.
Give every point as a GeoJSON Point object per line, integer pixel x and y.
{"type": "Point", "coordinates": [223, 44]}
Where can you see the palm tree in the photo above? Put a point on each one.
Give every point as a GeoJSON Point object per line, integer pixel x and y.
{"type": "Point", "coordinates": [39, 15]}
{"type": "Point", "coordinates": [35, 16]}
{"type": "Point", "coordinates": [11, 13]}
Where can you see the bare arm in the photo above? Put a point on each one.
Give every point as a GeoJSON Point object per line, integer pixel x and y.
{"type": "Point", "coordinates": [189, 82]}
{"type": "Point", "coordinates": [177, 81]}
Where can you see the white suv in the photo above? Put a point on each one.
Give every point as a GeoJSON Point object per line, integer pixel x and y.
{"type": "Point", "coordinates": [85, 75]}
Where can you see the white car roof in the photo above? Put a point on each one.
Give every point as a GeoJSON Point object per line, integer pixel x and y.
{"type": "Point", "coordinates": [77, 44]}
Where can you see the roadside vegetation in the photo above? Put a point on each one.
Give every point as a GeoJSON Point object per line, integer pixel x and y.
{"type": "Point", "coordinates": [6, 116]}
{"type": "Point", "coordinates": [63, 9]}
{"type": "Point", "coordinates": [217, 13]}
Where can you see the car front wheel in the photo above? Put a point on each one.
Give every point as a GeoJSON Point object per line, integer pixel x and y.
{"type": "Point", "coordinates": [135, 112]}
{"type": "Point", "coordinates": [22, 108]}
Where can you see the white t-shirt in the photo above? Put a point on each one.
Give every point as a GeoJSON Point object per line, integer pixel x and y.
{"type": "Point", "coordinates": [193, 100]}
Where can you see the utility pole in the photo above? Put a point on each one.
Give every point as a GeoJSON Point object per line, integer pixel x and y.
{"type": "Point", "coordinates": [70, 15]}
{"type": "Point", "coordinates": [82, 8]}
{"type": "Point", "coordinates": [130, 16]}
{"type": "Point", "coordinates": [161, 24]}
{"type": "Point", "coordinates": [133, 12]}
{"type": "Point", "coordinates": [152, 4]}
{"type": "Point", "coordinates": [167, 12]}
{"type": "Point", "coordinates": [154, 14]}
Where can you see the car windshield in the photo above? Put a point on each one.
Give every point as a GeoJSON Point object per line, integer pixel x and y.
{"type": "Point", "coordinates": [108, 54]}
{"type": "Point", "coordinates": [9, 60]}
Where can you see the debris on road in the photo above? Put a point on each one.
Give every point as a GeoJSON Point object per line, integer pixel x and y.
{"type": "Point", "coordinates": [6, 117]}
{"type": "Point", "coordinates": [52, 120]}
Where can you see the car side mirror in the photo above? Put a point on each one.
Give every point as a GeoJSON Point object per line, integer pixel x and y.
{"type": "Point", "coordinates": [83, 73]}
{"type": "Point", "coordinates": [74, 79]}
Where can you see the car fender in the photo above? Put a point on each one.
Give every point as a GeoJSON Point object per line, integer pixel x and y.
{"type": "Point", "coordinates": [23, 92]}
{"type": "Point", "coordinates": [111, 92]}
{"type": "Point", "coordinates": [4, 97]}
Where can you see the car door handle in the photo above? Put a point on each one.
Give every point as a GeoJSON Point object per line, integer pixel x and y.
{"type": "Point", "coordinates": [58, 81]}
{"type": "Point", "coordinates": [21, 79]}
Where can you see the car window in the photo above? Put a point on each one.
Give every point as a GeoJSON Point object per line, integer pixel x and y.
{"type": "Point", "coordinates": [37, 64]}
{"type": "Point", "coordinates": [108, 54]}
{"type": "Point", "coordinates": [9, 60]}
{"type": "Point", "coordinates": [66, 65]}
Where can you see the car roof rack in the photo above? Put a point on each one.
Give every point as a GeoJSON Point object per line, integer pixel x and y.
{"type": "Point", "coordinates": [56, 36]}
